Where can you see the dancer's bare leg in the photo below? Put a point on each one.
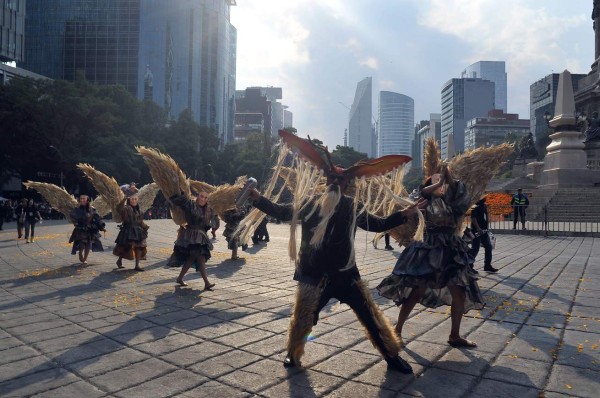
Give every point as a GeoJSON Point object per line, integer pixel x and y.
{"type": "Point", "coordinates": [137, 253]}
{"type": "Point", "coordinates": [86, 252]}
{"type": "Point", "coordinates": [413, 298]}
{"type": "Point", "coordinates": [202, 262]}
{"type": "Point", "coordinates": [456, 314]}
{"type": "Point", "coordinates": [184, 270]}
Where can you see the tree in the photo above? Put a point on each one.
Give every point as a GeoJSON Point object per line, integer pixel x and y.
{"type": "Point", "coordinates": [346, 156]}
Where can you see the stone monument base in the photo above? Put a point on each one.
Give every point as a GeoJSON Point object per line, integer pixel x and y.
{"type": "Point", "coordinates": [553, 178]}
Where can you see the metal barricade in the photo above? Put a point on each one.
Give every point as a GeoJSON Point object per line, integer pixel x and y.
{"type": "Point", "coordinates": [547, 220]}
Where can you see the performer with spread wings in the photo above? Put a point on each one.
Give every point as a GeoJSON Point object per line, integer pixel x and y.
{"type": "Point", "coordinates": [87, 221]}
{"type": "Point", "coordinates": [437, 271]}
{"type": "Point", "coordinates": [131, 240]}
{"type": "Point", "coordinates": [193, 215]}
{"type": "Point", "coordinates": [325, 265]}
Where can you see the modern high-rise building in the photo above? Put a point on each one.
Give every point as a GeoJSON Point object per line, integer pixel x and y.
{"type": "Point", "coordinates": [190, 48]}
{"type": "Point", "coordinates": [494, 128]}
{"type": "Point", "coordinates": [288, 117]}
{"type": "Point", "coordinates": [494, 71]}
{"type": "Point", "coordinates": [360, 128]}
{"type": "Point", "coordinates": [12, 30]}
{"type": "Point", "coordinates": [431, 129]}
{"type": "Point", "coordinates": [462, 100]}
{"type": "Point", "coordinates": [253, 101]}
{"type": "Point", "coordinates": [396, 124]}
{"type": "Point", "coordinates": [542, 99]}
{"type": "Point", "coordinates": [181, 54]}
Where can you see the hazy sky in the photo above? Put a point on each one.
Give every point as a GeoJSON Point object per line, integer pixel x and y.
{"type": "Point", "coordinates": [318, 50]}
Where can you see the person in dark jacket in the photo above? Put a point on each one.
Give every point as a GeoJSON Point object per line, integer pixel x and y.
{"type": "Point", "coordinates": [479, 226]}
{"type": "Point", "coordinates": [32, 217]}
{"type": "Point", "coordinates": [519, 203]}
{"type": "Point", "coordinates": [20, 214]}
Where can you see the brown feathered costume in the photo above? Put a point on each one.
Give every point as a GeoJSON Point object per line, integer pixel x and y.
{"type": "Point", "coordinates": [325, 263]}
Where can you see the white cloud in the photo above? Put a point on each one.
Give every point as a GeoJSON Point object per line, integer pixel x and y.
{"type": "Point", "coordinates": [370, 62]}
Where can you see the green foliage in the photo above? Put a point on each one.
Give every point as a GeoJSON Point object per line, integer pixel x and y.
{"type": "Point", "coordinates": [47, 127]}
{"type": "Point", "coordinates": [413, 178]}
{"type": "Point", "coordinates": [346, 156]}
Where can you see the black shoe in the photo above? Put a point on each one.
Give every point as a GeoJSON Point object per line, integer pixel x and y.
{"type": "Point", "coordinates": [254, 241]}
{"type": "Point", "coordinates": [289, 362]}
{"type": "Point", "coordinates": [474, 271]}
{"type": "Point", "coordinates": [266, 240]}
{"type": "Point", "coordinates": [388, 247]}
{"type": "Point", "coordinates": [399, 364]}
{"type": "Point", "coordinates": [489, 268]}
{"type": "Point", "coordinates": [244, 247]}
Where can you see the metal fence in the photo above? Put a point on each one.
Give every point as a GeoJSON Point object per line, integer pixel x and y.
{"type": "Point", "coordinates": [547, 220]}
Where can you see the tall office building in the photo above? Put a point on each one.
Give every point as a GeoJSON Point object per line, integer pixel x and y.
{"type": "Point", "coordinates": [12, 30]}
{"type": "Point", "coordinates": [360, 128]}
{"type": "Point", "coordinates": [494, 71]}
{"type": "Point", "coordinates": [542, 99]}
{"type": "Point", "coordinates": [180, 54]}
{"type": "Point", "coordinates": [462, 100]}
{"type": "Point", "coordinates": [288, 117]}
{"type": "Point", "coordinates": [396, 123]}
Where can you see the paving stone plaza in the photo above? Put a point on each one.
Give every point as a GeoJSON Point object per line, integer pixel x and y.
{"type": "Point", "coordinates": [72, 330]}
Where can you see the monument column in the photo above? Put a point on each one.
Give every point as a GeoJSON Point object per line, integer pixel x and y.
{"type": "Point", "coordinates": [565, 164]}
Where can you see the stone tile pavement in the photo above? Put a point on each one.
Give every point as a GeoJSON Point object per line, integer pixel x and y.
{"type": "Point", "coordinates": [68, 330]}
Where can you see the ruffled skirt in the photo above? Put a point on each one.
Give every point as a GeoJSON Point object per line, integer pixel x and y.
{"type": "Point", "coordinates": [190, 243]}
{"type": "Point", "coordinates": [87, 237]}
{"type": "Point", "coordinates": [439, 261]}
{"type": "Point", "coordinates": [131, 237]}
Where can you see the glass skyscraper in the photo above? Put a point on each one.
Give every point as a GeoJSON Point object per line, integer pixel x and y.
{"type": "Point", "coordinates": [494, 71]}
{"type": "Point", "coordinates": [178, 53]}
{"type": "Point", "coordinates": [396, 124]}
{"type": "Point", "coordinates": [462, 100]}
{"type": "Point", "coordinates": [360, 129]}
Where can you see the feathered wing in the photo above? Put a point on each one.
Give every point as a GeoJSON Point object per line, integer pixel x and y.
{"type": "Point", "coordinates": [223, 197]}
{"type": "Point", "coordinates": [101, 205]}
{"type": "Point", "coordinates": [304, 148]}
{"type": "Point", "coordinates": [432, 158]}
{"type": "Point", "coordinates": [58, 198]}
{"type": "Point", "coordinates": [107, 187]}
{"type": "Point", "coordinates": [200, 186]}
{"type": "Point", "coordinates": [381, 165]}
{"type": "Point", "coordinates": [146, 196]}
{"type": "Point", "coordinates": [169, 178]}
{"type": "Point", "coordinates": [476, 167]}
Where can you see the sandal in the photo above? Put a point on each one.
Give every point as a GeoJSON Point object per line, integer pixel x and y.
{"type": "Point", "coordinates": [181, 282]}
{"type": "Point", "coordinates": [209, 286]}
{"type": "Point", "coordinates": [460, 342]}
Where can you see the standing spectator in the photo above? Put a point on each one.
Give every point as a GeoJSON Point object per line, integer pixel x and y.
{"type": "Point", "coordinates": [32, 216]}
{"type": "Point", "coordinates": [232, 218]}
{"type": "Point", "coordinates": [20, 214]}
{"type": "Point", "coordinates": [4, 209]}
{"type": "Point", "coordinates": [479, 225]}
{"type": "Point", "coordinates": [519, 203]}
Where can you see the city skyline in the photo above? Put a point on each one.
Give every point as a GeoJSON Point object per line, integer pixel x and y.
{"type": "Point", "coordinates": [317, 52]}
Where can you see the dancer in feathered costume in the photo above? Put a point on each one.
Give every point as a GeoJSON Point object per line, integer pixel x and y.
{"type": "Point", "coordinates": [326, 266]}
{"type": "Point", "coordinates": [194, 215]}
{"type": "Point", "coordinates": [87, 221]}
{"type": "Point", "coordinates": [437, 271]}
{"type": "Point", "coordinates": [131, 240]}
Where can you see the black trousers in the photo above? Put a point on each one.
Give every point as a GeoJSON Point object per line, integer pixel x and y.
{"type": "Point", "coordinates": [482, 240]}
{"type": "Point", "coordinates": [519, 211]}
